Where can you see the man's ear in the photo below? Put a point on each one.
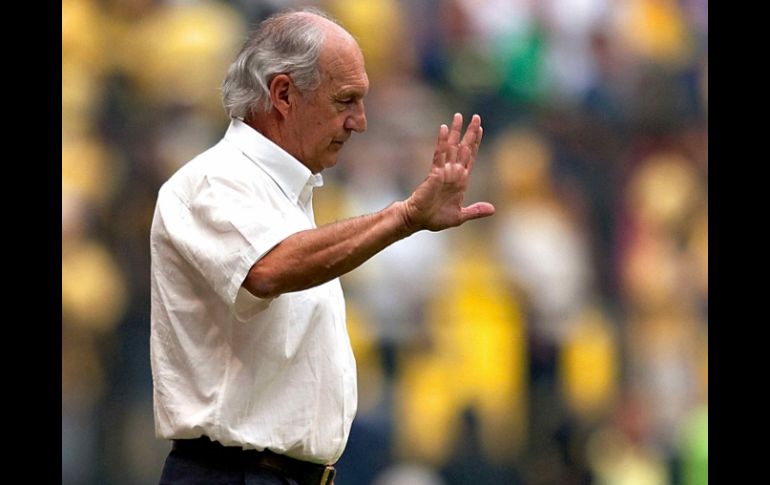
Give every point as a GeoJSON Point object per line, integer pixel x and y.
{"type": "Point", "coordinates": [281, 91]}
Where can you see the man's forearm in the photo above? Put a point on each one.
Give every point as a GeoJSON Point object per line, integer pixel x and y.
{"type": "Point", "coordinates": [310, 258]}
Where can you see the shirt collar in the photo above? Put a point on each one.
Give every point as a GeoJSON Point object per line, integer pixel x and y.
{"type": "Point", "coordinates": [288, 172]}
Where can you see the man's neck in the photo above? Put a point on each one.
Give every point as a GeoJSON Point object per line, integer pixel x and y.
{"type": "Point", "coordinates": [270, 127]}
{"type": "Point", "coordinates": [266, 125]}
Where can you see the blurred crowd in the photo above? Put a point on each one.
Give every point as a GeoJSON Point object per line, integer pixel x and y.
{"type": "Point", "coordinates": [562, 341]}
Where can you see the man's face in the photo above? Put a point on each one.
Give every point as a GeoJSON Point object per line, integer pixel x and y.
{"type": "Point", "coordinates": [325, 118]}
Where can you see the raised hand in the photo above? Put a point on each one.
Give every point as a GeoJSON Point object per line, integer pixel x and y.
{"type": "Point", "coordinates": [436, 203]}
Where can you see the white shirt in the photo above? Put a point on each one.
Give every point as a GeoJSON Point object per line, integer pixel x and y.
{"type": "Point", "coordinates": [255, 373]}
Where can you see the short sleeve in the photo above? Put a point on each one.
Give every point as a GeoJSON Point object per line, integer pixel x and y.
{"type": "Point", "coordinates": [225, 227]}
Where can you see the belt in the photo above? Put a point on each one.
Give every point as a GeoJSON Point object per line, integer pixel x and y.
{"type": "Point", "coordinates": [304, 472]}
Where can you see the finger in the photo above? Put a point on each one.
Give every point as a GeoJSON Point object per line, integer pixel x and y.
{"type": "Point", "coordinates": [439, 154]}
{"type": "Point", "coordinates": [477, 211]}
{"type": "Point", "coordinates": [477, 141]}
{"type": "Point", "coordinates": [454, 133]}
{"type": "Point", "coordinates": [471, 139]}
{"type": "Point", "coordinates": [464, 157]}
{"type": "Point", "coordinates": [472, 132]}
{"type": "Point", "coordinates": [451, 155]}
{"type": "Point", "coordinates": [474, 151]}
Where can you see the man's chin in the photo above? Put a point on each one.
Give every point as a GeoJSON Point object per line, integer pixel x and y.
{"type": "Point", "coordinates": [330, 163]}
{"type": "Point", "coordinates": [331, 156]}
{"type": "Point", "coordinates": [323, 164]}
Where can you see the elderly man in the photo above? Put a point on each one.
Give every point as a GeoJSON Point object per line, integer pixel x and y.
{"type": "Point", "coordinates": [254, 377]}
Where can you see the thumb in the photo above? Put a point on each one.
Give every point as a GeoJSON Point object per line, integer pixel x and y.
{"type": "Point", "coordinates": [477, 211]}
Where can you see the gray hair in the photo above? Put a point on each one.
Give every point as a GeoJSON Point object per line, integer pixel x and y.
{"type": "Point", "coordinates": [288, 43]}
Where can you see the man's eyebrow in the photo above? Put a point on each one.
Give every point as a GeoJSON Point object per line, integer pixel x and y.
{"type": "Point", "coordinates": [349, 94]}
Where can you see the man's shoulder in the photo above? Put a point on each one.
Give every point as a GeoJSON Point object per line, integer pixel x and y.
{"type": "Point", "coordinates": [220, 166]}
{"type": "Point", "coordinates": [221, 160]}
{"type": "Point", "coordinates": [218, 157]}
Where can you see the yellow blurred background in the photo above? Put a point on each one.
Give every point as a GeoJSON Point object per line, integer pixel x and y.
{"type": "Point", "coordinates": [562, 341]}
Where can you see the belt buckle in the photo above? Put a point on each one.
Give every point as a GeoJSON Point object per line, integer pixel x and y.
{"type": "Point", "coordinates": [328, 476]}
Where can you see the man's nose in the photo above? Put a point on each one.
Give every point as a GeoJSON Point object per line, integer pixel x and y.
{"type": "Point", "coordinates": [356, 120]}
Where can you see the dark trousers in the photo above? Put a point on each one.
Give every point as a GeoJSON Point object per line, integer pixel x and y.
{"type": "Point", "coordinates": [216, 465]}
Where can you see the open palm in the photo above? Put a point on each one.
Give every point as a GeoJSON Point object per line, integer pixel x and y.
{"type": "Point", "coordinates": [436, 203]}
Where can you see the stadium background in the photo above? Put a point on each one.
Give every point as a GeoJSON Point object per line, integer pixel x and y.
{"type": "Point", "coordinates": [562, 341]}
